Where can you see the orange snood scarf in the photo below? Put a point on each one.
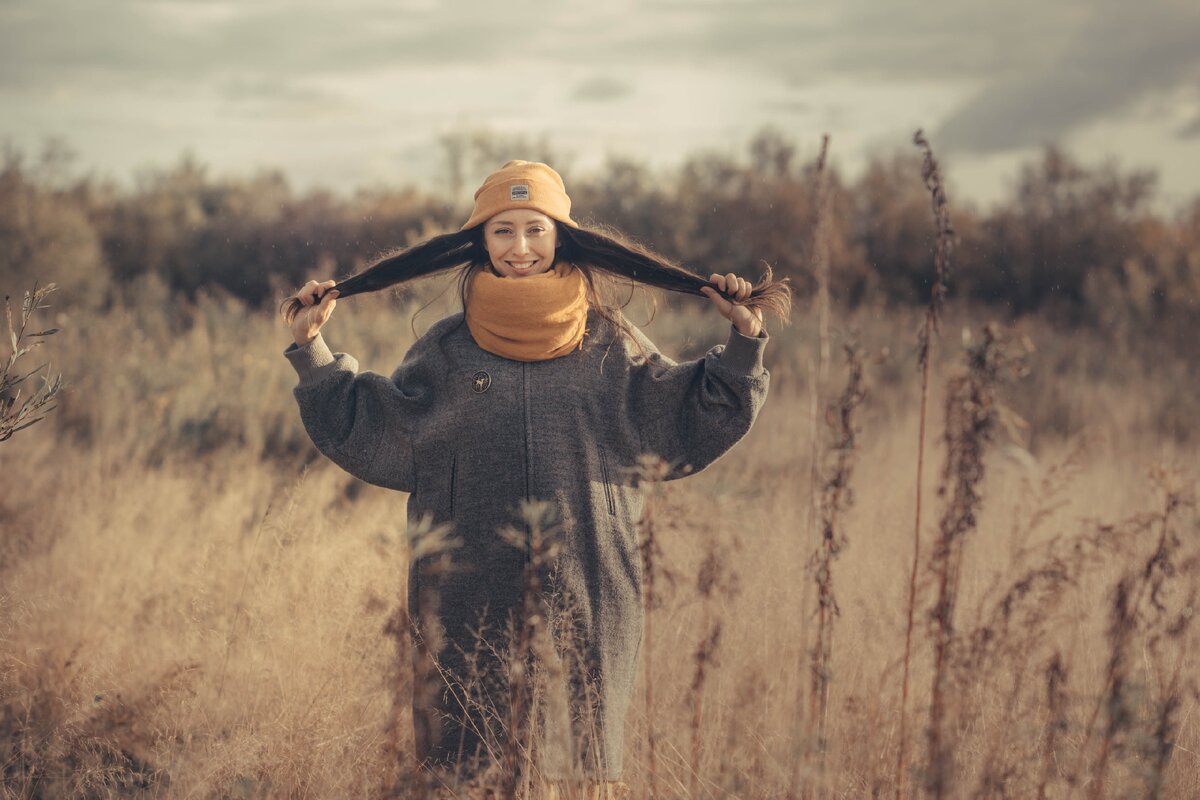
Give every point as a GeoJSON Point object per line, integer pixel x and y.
{"type": "Point", "coordinates": [528, 319]}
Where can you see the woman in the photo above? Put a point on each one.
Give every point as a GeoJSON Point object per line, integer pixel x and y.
{"type": "Point", "coordinates": [539, 390]}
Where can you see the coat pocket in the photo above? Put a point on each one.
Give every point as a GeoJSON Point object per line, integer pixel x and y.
{"type": "Point", "coordinates": [604, 477]}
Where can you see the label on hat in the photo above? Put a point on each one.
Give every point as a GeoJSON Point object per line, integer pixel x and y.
{"type": "Point", "coordinates": [518, 192]}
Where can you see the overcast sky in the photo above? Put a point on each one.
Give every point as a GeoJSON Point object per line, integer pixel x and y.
{"type": "Point", "coordinates": [357, 93]}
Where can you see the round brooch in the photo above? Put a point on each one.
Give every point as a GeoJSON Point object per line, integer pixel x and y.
{"type": "Point", "coordinates": [480, 382]}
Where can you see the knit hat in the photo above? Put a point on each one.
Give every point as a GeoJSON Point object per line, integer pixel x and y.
{"type": "Point", "coordinates": [522, 184]}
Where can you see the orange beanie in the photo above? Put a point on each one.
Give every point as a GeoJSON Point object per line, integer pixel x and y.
{"type": "Point", "coordinates": [522, 184]}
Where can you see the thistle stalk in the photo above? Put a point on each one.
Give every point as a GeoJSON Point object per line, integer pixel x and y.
{"type": "Point", "coordinates": [836, 497]}
{"type": "Point", "coordinates": [941, 270]}
{"type": "Point", "coordinates": [972, 416]}
{"type": "Point", "coordinates": [712, 579]}
{"type": "Point", "coordinates": [649, 475]}
{"type": "Point", "coordinates": [820, 261]}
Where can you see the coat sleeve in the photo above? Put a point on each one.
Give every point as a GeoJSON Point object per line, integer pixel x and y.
{"type": "Point", "coordinates": [363, 421]}
{"type": "Point", "coordinates": [691, 413]}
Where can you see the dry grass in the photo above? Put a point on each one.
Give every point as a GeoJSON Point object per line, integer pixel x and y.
{"type": "Point", "coordinates": [193, 604]}
{"type": "Point", "coordinates": [16, 416]}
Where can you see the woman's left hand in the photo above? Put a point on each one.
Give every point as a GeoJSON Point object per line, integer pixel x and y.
{"type": "Point", "coordinates": [747, 321]}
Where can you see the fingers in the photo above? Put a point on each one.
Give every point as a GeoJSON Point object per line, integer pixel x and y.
{"type": "Point", "coordinates": [739, 290]}
{"type": "Point", "coordinates": [312, 290]}
{"type": "Point", "coordinates": [325, 309]}
{"type": "Point", "coordinates": [732, 285]}
{"type": "Point", "coordinates": [739, 287]}
{"type": "Point", "coordinates": [308, 293]}
{"type": "Point", "coordinates": [328, 299]}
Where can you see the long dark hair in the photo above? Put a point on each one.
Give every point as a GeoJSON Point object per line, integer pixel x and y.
{"type": "Point", "coordinates": [602, 254]}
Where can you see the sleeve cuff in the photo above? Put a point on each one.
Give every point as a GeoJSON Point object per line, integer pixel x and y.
{"type": "Point", "coordinates": [312, 361]}
{"type": "Point", "coordinates": [743, 354]}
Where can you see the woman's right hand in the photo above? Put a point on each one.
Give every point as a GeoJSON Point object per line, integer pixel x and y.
{"type": "Point", "coordinates": [318, 300]}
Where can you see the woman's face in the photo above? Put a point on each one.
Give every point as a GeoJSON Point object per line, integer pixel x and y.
{"type": "Point", "coordinates": [520, 242]}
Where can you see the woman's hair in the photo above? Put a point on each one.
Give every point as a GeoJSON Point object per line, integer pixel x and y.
{"type": "Point", "coordinates": [602, 254]}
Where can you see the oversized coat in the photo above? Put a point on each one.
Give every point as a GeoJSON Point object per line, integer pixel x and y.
{"type": "Point", "coordinates": [467, 434]}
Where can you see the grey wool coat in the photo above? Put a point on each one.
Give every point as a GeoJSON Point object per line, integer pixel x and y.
{"type": "Point", "coordinates": [467, 434]}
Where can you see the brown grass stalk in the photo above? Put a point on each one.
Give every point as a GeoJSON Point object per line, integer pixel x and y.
{"type": "Point", "coordinates": [1151, 585]}
{"type": "Point", "coordinates": [836, 498]}
{"type": "Point", "coordinates": [394, 783]}
{"type": "Point", "coordinates": [705, 652]}
{"type": "Point", "coordinates": [649, 475]}
{"type": "Point", "coordinates": [820, 254]}
{"type": "Point", "coordinates": [538, 538]}
{"type": "Point", "coordinates": [1166, 726]}
{"type": "Point", "coordinates": [941, 270]}
{"type": "Point", "coordinates": [1117, 701]}
{"type": "Point", "coordinates": [433, 545]}
{"type": "Point", "coordinates": [1056, 719]}
{"type": "Point", "coordinates": [712, 579]}
{"type": "Point", "coordinates": [13, 416]}
{"type": "Point", "coordinates": [820, 262]}
{"type": "Point", "coordinates": [972, 416]}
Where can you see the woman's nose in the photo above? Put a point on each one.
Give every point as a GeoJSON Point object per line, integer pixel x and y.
{"type": "Point", "coordinates": [521, 244]}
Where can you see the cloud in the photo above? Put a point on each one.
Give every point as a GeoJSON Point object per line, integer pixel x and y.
{"type": "Point", "coordinates": [270, 96]}
{"type": "Point", "coordinates": [801, 44]}
{"type": "Point", "coordinates": [1122, 54]}
{"type": "Point", "coordinates": [790, 106]}
{"type": "Point", "coordinates": [1038, 70]}
{"type": "Point", "coordinates": [1191, 130]}
{"type": "Point", "coordinates": [601, 89]}
{"type": "Point", "coordinates": [52, 42]}
{"type": "Point", "coordinates": [43, 41]}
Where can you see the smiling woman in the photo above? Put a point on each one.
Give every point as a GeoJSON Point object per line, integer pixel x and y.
{"type": "Point", "coordinates": [538, 391]}
{"type": "Point", "coordinates": [520, 243]}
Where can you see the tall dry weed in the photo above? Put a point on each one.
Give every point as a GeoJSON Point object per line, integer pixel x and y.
{"type": "Point", "coordinates": [937, 293]}
{"type": "Point", "coordinates": [816, 385]}
{"type": "Point", "coordinates": [649, 475]}
{"type": "Point", "coordinates": [531, 655]}
{"type": "Point", "coordinates": [1056, 719]}
{"type": "Point", "coordinates": [16, 417]}
{"type": "Point", "coordinates": [714, 580]}
{"type": "Point", "coordinates": [835, 500]}
{"type": "Point", "coordinates": [433, 547]}
{"type": "Point", "coordinates": [1156, 604]}
{"type": "Point", "coordinates": [150, 644]}
{"type": "Point", "coordinates": [972, 416]}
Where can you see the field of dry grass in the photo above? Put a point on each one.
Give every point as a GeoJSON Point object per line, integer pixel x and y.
{"type": "Point", "coordinates": [194, 603]}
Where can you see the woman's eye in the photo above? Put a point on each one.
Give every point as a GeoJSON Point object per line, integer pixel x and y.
{"type": "Point", "coordinates": [537, 230]}
{"type": "Point", "coordinates": [500, 231]}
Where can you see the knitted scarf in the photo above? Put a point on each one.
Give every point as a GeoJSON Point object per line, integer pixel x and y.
{"type": "Point", "coordinates": [528, 319]}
